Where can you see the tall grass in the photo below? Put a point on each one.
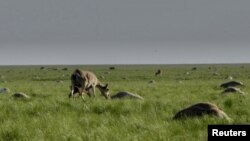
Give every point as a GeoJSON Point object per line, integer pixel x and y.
{"type": "Point", "coordinates": [50, 115]}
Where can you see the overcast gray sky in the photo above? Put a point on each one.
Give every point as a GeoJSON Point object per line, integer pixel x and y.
{"type": "Point", "coordinates": [124, 31]}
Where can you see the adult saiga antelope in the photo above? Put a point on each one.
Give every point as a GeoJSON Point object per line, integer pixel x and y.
{"type": "Point", "coordinates": [83, 81]}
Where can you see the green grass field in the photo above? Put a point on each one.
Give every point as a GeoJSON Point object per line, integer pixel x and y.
{"type": "Point", "coordinates": [49, 115]}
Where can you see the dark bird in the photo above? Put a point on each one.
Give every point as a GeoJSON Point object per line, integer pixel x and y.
{"type": "Point", "coordinates": [158, 72]}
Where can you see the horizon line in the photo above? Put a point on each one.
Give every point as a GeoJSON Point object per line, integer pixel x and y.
{"type": "Point", "coordinates": [123, 64]}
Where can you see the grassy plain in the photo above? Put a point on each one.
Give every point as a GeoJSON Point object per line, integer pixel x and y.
{"type": "Point", "coordinates": [49, 115]}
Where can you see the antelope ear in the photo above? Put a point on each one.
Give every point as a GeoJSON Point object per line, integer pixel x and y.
{"type": "Point", "coordinates": [106, 86]}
